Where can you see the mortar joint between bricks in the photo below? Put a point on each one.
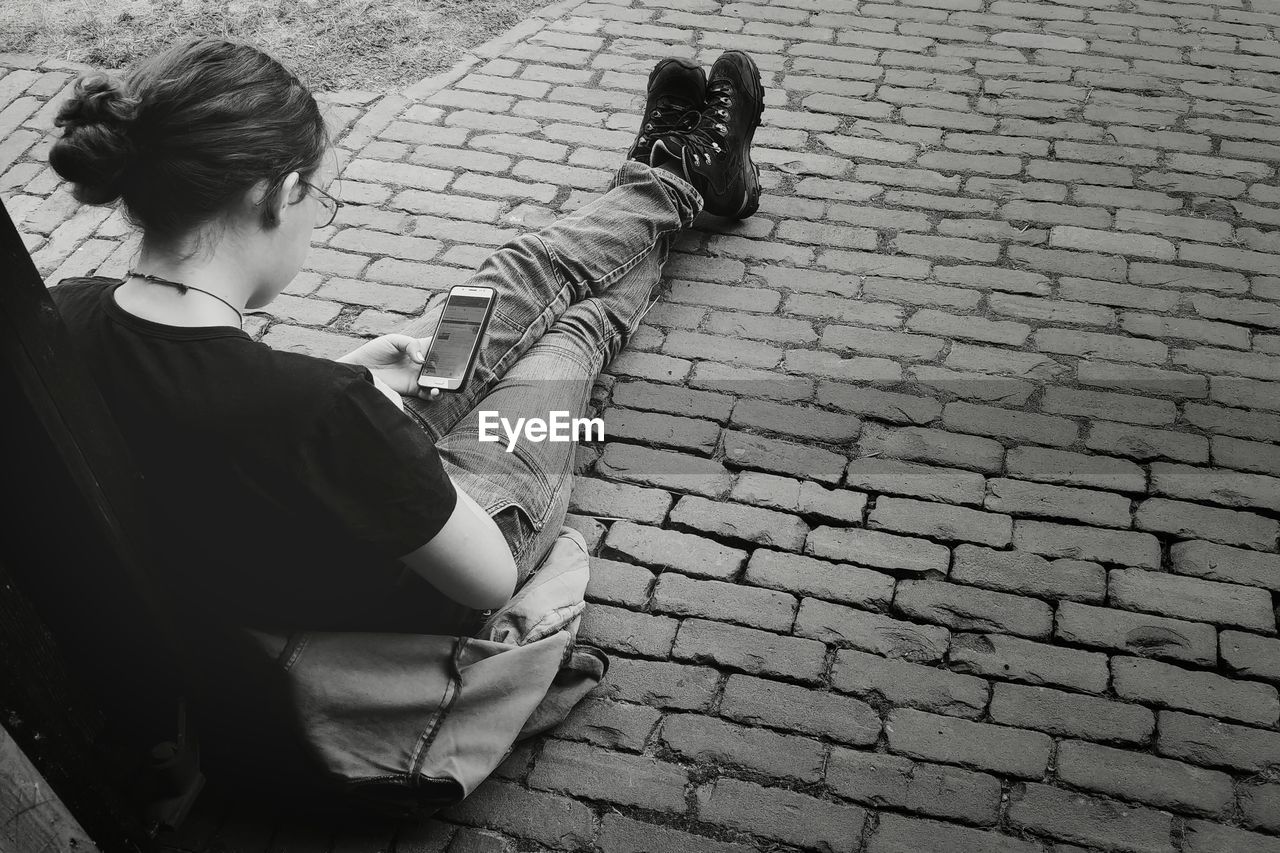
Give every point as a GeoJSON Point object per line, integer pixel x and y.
{"type": "Point", "coordinates": [1009, 790]}
{"type": "Point", "coordinates": [869, 827]}
{"type": "Point", "coordinates": [828, 665]}
{"type": "Point", "coordinates": [1178, 832]}
{"type": "Point", "coordinates": [1051, 768]}
{"type": "Point", "coordinates": [346, 317]}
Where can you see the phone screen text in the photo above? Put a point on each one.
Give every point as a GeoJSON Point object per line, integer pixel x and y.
{"type": "Point", "coordinates": [455, 337]}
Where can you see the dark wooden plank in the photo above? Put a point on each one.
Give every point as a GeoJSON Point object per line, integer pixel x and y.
{"type": "Point", "coordinates": [32, 817]}
{"type": "Point", "coordinates": [58, 730]}
{"type": "Point", "coordinates": [68, 563]}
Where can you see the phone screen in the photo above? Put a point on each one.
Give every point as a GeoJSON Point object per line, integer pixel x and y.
{"type": "Point", "coordinates": [456, 337]}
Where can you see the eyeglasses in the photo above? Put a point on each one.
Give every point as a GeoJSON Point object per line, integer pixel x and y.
{"type": "Point", "coordinates": [328, 205]}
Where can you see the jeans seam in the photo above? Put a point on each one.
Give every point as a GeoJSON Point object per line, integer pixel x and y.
{"type": "Point", "coordinates": [573, 353]}
{"type": "Point", "coordinates": [680, 183]}
{"type": "Point", "coordinates": [561, 281]}
{"type": "Point", "coordinates": [536, 524]}
{"type": "Point", "coordinates": [623, 268]}
{"type": "Point", "coordinates": [672, 181]}
{"type": "Point", "coordinates": [501, 367]}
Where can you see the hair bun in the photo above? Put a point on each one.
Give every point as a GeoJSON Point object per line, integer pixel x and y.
{"type": "Point", "coordinates": [95, 148]}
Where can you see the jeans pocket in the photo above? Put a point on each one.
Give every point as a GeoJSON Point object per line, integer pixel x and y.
{"type": "Point", "coordinates": [516, 524]}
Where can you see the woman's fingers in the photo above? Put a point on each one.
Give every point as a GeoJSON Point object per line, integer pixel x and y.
{"type": "Point", "coordinates": [403, 343]}
{"type": "Point", "coordinates": [414, 348]}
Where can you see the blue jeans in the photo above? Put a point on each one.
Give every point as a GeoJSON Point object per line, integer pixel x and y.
{"type": "Point", "coordinates": [569, 298]}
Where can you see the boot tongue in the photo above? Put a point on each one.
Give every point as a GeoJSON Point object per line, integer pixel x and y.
{"type": "Point", "coordinates": [675, 104]}
{"type": "Point", "coordinates": [680, 154]}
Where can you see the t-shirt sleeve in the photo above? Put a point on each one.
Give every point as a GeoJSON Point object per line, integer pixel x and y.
{"type": "Point", "coordinates": [374, 471]}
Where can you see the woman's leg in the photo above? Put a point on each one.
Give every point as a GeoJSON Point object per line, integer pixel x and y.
{"type": "Point", "coordinates": [526, 488]}
{"type": "Point", "coordinates": [538, 276]}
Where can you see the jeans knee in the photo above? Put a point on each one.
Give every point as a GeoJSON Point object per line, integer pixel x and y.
{"type": "Point", "coordinates": [591, 331]}
{"type": "Point", "coordinates": [528, 260]}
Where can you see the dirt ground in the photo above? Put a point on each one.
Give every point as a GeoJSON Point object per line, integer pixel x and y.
{"type": "Point", "coordinates": [330, 44]}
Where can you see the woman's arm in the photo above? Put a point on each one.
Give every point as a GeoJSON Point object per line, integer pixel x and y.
{"type": "Point", "coordinates": [469, 559]}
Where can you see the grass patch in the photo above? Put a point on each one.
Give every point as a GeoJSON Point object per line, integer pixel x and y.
{"type": "Point", "coordinates": [329, 44]}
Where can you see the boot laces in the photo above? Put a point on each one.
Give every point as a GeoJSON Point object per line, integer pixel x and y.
{"type": "Point", "coordinates": [705, 139]}
{"type": "Point", "coordinates": [669, 115]}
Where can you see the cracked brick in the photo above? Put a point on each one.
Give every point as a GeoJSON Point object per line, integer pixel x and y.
{"type": "Point", "coordinates": [1230, 565]}
{"type": "Point", "coordinates": [779, 813]}
{"type": "Point", "coordinates": [1127, 548]}
{"type": "Point", "coordinates": [1170, 686]}
{"type": "Point", "coordinates": [1215, 743]}
{"type": "Point", "coordinates": [664, 469]}
{"type": "Point", "coordinates": [1029, 574]}
{"type": "Point", "coordinates": [799, 496]}
{"type": "Point", "coordinates": [711, 599]}
{"type": "Point", "coordinates": [941, 521]}
{"type": "Point", "coordinates": [871, 632]}
{"type": "Point", "coordinates": [627, 631]}
{"type": "Point", "coordinates": [619, 834]}
{"type": "Point", "coordinates": [613, 725]}
{"type": "Point", "coordinates": [751, 650]}
{"type": "Point", "coordinates": [880, 779]}
{"type": "Point", "coordinates": [1087, 820]}
{"type": "Point", "coordinates": [670, 549]}
{"type": "Point", "coordinates": [1009, 423]}
{"type": "Point", "coordinates": [614, 777]}
{"type": "Point", "coordinates": [544, 817]}
{"type": "Point", "coordinates": [918, 444]}
{"type": "Point", "coordinates": [902, 834]}
{"type": "Point", "coordinates": [1137, 633]}
{"type": "Point", "coordinates": [1250, 655]}
{"type": "Point", "coordinates": [1019, 497]}
{"type": "Point", "coordinates": [1136, 776]}
{"type": "Point", "coordinates": [708, 740]}
{"type": "Point", "coordinates": [758, 701]}
{"type": "Point", "coordinates": [1000, 749]}
{"type": "Point", "coordinates": [1204, 837]}
{"type": "Point", "coordinates": [618, 583]}
{"type": "Point", "coordinates": [807, 576]}
{"type": "Point", "coordinates": [914, 685]}
{"type": "Point", "coordinates": [738, 521]}
{"type": "Point", "coordinates": [1013, 658]}
{"type": "Point", "coordinates": [1227, 488]}
{"type": "Point", "coordinates": [1195, 521]}
{"type": "Point", "coordinates": [1192, 598]}
{"type": "Point", "coordinates": [965, 608]}
{"type": "Point", "coordinates": [1071, 714]}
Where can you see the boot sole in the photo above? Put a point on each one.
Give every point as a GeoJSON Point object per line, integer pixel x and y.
{"type": "Point", "coordinates": [752, 202]}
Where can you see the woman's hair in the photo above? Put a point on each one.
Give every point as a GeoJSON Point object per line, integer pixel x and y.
{"type": "Point", "coordinates": [186, 133]}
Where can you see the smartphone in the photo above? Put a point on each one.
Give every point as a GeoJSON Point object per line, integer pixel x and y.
{"type": "Point", "coordinates": [452, 355]}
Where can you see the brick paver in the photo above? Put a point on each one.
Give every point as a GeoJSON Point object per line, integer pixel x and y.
{"type": "Point", "coordinates": [940, 503]}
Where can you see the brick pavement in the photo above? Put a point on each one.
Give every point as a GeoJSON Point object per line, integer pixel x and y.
{"type": "Point", "coordinates": [940, 504]}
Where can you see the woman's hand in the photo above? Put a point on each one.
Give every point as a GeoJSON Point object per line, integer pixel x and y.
{"type": "Point", "coordinates": [396, 359]}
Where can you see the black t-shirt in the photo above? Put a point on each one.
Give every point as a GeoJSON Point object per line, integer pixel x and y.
{"type": "Point", "coordinates": [282, 487]}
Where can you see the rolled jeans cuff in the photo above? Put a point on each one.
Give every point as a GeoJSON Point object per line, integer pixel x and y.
{"type": "Point", "coordinates": [683, 195]}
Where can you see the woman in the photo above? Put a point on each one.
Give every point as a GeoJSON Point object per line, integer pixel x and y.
{"type": "Point", "coordinates": [294, 491]}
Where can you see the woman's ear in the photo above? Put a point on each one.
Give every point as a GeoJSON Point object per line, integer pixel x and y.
{"type": "Point", "coordinates": [286, 192]}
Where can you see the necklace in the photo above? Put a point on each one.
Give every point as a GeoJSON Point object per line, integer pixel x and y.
{"type": "Point", "coordinates": [183, 288]}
